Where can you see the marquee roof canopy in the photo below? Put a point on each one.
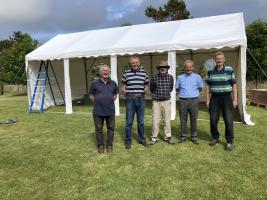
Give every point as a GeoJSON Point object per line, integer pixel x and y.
{"type": "Point", "coordinates": [199, 33]}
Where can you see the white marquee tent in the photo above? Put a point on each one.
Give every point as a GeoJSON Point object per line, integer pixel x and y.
{"type": "Point", "coordinates": [175, 41]}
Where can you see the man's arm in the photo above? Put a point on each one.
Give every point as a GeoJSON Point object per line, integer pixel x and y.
{"type": "Point", "coordinates": [123, 88]}
{"type": "Point", "coordinates": [91, 92]}
{"type": "Point", "coordinates": [234, 93]}
{"type": "Point", "coordinates": [116, 90]}
{"type": "Point", "coordinates": [208, 96]}
{"type": "Point", "coordinates": [92, 97]}
{"type": "Point", "coordinates": [146, 87]}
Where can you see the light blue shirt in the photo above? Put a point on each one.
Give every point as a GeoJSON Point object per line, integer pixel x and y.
{"type": "Point", "coordinates": [189, 85]}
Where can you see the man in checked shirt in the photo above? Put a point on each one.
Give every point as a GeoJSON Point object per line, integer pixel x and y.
{"type": "Point", "coordinates": [161, 86]}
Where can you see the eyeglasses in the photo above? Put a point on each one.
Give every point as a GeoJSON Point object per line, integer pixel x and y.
{"type": "Point", "coordinates": [163, 67]}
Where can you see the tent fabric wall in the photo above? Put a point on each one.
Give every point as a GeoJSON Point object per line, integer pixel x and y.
{"type": "Point", "coordinates": [173, 41]}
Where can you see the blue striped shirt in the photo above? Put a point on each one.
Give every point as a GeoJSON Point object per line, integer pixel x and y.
{"type": "Point", "coordinates": [135, 81]}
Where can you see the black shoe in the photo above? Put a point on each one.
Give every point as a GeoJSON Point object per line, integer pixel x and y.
{"type": "Point", "coordinates": [229, 147]}
{"type": "Point", "coordinates": [213, 142]}
{"type": "Point", "coordinates": [128, 146]}
{"type": "Point", "coordinates": [195, 141]}
{"type": "Point", "coordinates": [169, 140]}
{"type": "Point", "coordinates": [144, 143]}
{"type": "Point", "coordinates": [181, 140]}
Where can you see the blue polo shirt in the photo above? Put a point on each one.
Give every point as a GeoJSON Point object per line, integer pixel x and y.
{"type": "Point", "coordinates": [104, 97]}
{"type": "Point", "coordinates": [189, 85]}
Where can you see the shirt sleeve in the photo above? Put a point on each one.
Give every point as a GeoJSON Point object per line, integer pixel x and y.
{"type": "Point", "coordinates": [233, 80]}
{"type": "Point", "coordinates": [92, 88]}
{"type": "Point", "coordinates": [123, 80]}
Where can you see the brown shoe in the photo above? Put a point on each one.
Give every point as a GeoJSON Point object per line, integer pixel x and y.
{"type": "Point", "coordinates": [109, 149]}
{"type": "Point", "coordinates": [100, 149]}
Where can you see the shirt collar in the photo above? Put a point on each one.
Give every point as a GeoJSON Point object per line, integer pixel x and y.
{"type": "Point", "coordinates": [186, 75]}
{"type": "Point", "coordinates": [138, 70]}
{"type": "Point", "coordinates": [103, 81]}
{"type": "Point", "coordinates": [215, 68]}
{"type": "Point", "coordinates": [161, 75]}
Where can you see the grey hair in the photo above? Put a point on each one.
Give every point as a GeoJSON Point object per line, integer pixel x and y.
{"type": "Point", "coordinates": [102, 66]}
{"type": "Point", "coordinates": [133, 57]}
{"type": "Point", "coordinates": [188, 62]}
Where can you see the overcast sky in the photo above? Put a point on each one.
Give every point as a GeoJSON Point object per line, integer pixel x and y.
{"type": "Point", "coordinates": [43, 19]}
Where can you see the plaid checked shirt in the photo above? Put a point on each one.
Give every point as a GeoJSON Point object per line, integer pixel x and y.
{"type": "Point", "coordinates": [161, 87]}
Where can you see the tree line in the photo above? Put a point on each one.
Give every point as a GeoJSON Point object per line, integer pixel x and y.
{"type": "Point", "coordinates": [14, 49]}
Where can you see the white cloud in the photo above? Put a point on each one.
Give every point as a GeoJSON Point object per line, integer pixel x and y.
{"type": "Point", "coordinates": [20, 11]}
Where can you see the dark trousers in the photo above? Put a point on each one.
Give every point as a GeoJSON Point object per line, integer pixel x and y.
{"type": "Point", "coordinates": [223, 103]}
{"type": "Point", "coordinates": [134, 105]}
{"type": "Point", "coordinates": [188, 106]}
{"type": "Point", "coordinates": [99, 122]}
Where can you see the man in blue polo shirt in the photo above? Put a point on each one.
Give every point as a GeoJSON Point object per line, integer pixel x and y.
{"type": "Point", "coordinates": [188, 85]}
{"type": "Point", "coordinates": [103, 93]}
{"type": "Point", "coordinates": [221, 96]}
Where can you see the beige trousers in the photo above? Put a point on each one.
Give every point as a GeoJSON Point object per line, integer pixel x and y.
{"type": "Point", "coordinates": [161, 110]}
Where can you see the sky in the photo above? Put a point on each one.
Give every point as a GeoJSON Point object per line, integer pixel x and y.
{"type": "Point", "coordinates": [44, 19]}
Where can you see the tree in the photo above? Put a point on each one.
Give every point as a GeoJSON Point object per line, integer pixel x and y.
{"type": "Point", "coordinates": [173, 10]}
{"type": "Point", "coordinates": [12, 58]}
{"type": "Point", "coordinates": [257, 44]}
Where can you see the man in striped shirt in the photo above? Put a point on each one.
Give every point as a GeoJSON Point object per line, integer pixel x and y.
{"type": "Point", "coordinates": [221, 96]}
{"type": "Point", "coordinates": [134, 86]}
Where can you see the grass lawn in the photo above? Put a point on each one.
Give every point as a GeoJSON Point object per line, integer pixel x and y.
{"type": "Point", "coordinates": [53, 156]}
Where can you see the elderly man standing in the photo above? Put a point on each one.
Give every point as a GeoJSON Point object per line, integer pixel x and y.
{"type": "Point", "coordinates": [161, 86]}
{"type": "Point", "coordinates": [103, 93]}
{"type": "Point", "coordinates": [188, 85]}
{"type": "Point", "coordinates": [134, 86]}
{"type": "Point", "coordinates": [221, 96]}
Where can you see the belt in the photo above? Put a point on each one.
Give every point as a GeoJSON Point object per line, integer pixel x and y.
{"type": "Point", "coordinates": [135, 95]}
{"type": "Point", "coordinates": [188, 98]}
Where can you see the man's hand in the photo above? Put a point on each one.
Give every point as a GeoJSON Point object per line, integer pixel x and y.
{"type": "Point", "coordinates": [146, 88]}
{"type": "Point", "coordinates": [92, 98]}
{"type": "Point", "coordinates": [235, 103]}
{"type": "Point", "coordinates": [207, 103]}
{"type": "Point", "coordinates": [208, 96]}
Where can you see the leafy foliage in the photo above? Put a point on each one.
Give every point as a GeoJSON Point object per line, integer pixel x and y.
{"type": "Point", "coordinates": [173, 10]}
{"type": "Point", "coordinates": [257, 44]}
{"type": "Point", "coordinates": [12, 57]}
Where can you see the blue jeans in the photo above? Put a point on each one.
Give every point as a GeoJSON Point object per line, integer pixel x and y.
{"type": "Point", "coordinates": [134, 105]}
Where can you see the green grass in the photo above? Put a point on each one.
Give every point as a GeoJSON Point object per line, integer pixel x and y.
{"type": "Point", "coordinates": [53, 156]}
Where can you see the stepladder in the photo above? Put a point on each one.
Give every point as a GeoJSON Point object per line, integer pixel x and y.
{"type": "Point", "coordinates": [46, 89]}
